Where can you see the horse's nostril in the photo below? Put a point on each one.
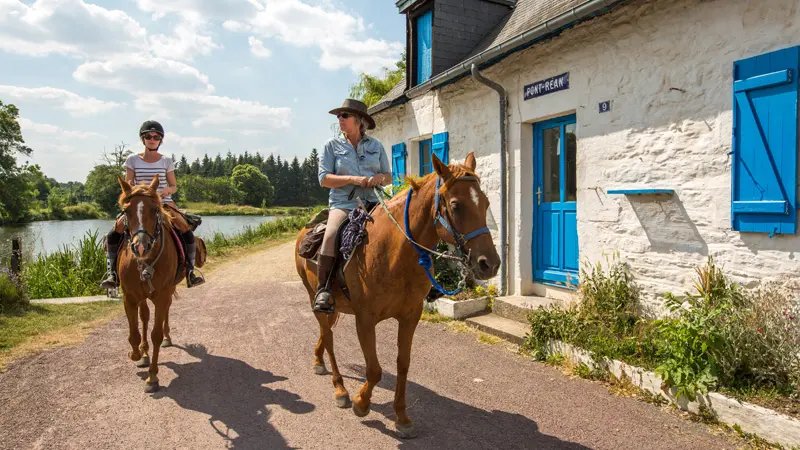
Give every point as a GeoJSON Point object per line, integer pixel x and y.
{"type": "Point", "coordinates": [483, 263]}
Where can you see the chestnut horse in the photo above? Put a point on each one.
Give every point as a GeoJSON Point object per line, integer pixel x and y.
{"type": "Point", "coordinates": [386, 281]}
{"type": "Point", "coordinates": [148, 268]}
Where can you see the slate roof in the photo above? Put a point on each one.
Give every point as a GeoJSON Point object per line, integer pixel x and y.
{"type": "Point", "coordinates": [526, 15]}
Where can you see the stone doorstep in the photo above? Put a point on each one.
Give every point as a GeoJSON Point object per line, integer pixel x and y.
{"type": "Point", "coordinates": [517, 307]}
{"type": "Point", "coordinates": [508, 329]}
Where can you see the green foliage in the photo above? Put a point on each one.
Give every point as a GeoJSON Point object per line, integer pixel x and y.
{"type": "Point", "coordinates": [13, 293]}
{"type": "Point", "coordinates": [102, 186]}
{"type": "Point", "coordinates": [219, 243]}
{"type": "Point", "coordinates": [719, 337]}
{"type": "Point", "coordinates": [221, 190]}
{"type": "Point", "coordinates": [70, 272]}
{"type": "Point", "coordinates": [370, 89]}
{"type": "Point", "coordinates": [57, 202]}
{"type": "Point", "coordinates": [254, 184]}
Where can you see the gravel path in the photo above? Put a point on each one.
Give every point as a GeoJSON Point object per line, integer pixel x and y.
{"type": "Point", "coordinates": [240, 376]}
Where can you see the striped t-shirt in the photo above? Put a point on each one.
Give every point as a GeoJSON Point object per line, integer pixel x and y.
{"type": "Point", "coordinates": [145, 171]}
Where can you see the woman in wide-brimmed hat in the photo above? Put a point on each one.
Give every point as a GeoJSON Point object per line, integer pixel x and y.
{"type": "Point", "coordinates": [351, 161]}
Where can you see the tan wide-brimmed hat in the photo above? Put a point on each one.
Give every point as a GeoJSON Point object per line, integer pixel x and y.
{"type": "Point", "coordinates": [355, 107]}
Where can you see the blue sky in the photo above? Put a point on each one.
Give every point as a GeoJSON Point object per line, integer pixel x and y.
{"type": "Point", "coordinates": [255, 75]}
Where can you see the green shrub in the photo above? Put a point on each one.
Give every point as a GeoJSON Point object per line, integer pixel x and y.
{"type": "Point", "coordinates": [70, 272]}
{"type": "Point", "coordinates": [13, 295]}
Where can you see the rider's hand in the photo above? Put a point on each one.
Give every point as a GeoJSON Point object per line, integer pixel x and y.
{"type": "Point", "coordinates": [374, 181]}
{"type": "Point", "coordinates": [361, 181]}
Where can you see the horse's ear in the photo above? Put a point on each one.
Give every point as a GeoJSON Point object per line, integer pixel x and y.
{"type": "Point", "coordinates": [154, 184]}
{"type": "Point", "coordinates": [440, 167]}
{"type": "Point", "coordinates": [126, 188]}
{"type": "Point", "coordinates": [470, 161]}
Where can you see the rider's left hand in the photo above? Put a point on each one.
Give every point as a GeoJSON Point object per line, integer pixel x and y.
{"type": "Point", "coordinates": [374, 181]}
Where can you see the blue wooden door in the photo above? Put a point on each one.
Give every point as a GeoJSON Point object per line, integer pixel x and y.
{"type": "Point", "coordinates": [555, 231]}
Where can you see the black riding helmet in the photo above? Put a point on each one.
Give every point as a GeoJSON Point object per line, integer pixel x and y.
{"type": "Point", "coordinates": [151, 126]}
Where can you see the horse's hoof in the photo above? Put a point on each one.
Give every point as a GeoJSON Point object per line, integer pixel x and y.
{"type": "Point", "coordinates": [151, 387]}
{"type": "Point", "coordinates": [167, 342]}
{"type": "Point", "coordinates": [144, 362]}
{"type": "Point", "coordinates": [320, 370]}
{"type": "Point", "coordinates": [407, 431]}
{"type": "Point", "coordinates": [343, 402]}
{"type": "Point", "coordinates": [358, 412]}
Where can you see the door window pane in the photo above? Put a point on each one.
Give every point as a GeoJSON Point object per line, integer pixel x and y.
{"type": "Point", "coordinates": [570, 166]}
{"type": "Point", "coordinates": [551, 170]}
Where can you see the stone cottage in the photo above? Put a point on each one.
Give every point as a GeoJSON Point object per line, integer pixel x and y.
{"type": "Point", "coordinates": [662, 129]}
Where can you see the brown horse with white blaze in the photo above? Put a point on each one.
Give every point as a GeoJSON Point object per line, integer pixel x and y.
{"type": "Point", "coordinates": [147, 268]}
{"type": "Point", "coordinates": [386, 281]}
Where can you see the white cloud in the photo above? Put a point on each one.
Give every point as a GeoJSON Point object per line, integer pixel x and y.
{"type": "Point", "coordinates": [75, 104]}
{"type": "Point", "coordinates": [70, 27]}
{"type": "Point", "coordinates": [192, 141]}
{"type": "Point", "coordinates": [143, 73]}
{"type": "Point", "coordinates": [210, 110]}
{"type": "Point", "coordinates": [341, 37]}
{"type": "Point", "coordinates": [187, 40]}
{"type": "Point", "coordinates": [257, 48]}
{"type": "Point", "coordinates": [28, 127]}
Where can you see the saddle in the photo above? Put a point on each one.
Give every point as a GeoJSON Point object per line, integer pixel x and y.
{"type": "Point", "coordinates": [349, 237]}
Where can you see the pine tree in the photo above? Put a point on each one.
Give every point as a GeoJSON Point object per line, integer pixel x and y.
{"type": "Point", "coordinates": [218, 167]}
{"type": "Point", "coordinates": [183, 166]}
{"type": "Point", "coordinates": [206, 167]}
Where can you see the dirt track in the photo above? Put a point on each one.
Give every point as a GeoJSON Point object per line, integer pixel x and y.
{"type": "Point", "coordinates": [240, 376]}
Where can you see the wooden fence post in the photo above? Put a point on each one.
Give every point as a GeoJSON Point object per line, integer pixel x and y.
{"type": "Point", "coordinates": [16, 255]}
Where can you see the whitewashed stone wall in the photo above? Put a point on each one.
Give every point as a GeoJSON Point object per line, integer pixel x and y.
{"type": "Point", "coordinates": [667, 68]}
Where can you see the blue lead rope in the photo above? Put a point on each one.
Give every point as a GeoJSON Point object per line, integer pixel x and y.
{"type": "Point", "coordinates": [424, 256]}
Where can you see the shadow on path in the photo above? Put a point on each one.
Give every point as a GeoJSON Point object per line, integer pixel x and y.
{"type": "Point", "coordinates": [231, 392]}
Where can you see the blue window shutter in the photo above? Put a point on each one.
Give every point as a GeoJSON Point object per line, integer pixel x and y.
{"type": "Point", "coordinates": [441, 147]}
{"type": "Point", "coordinates": [398, 163]}
{"type": "Point", "coordinates": [764, 147]}
{"type": "Point", "coordinates": [423, 47]}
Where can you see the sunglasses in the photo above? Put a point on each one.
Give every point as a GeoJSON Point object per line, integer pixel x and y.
{"type": "Point", "coordinates": [152, 137]}
{"type": "Point", "coordinates": [344, 115]}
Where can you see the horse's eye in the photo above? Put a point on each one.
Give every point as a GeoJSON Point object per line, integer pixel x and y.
{"type": "Point", "coordinates": [455, 207]}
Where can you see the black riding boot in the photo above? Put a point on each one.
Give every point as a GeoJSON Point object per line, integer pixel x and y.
{"type": "Point", "coordinates": [113, 240]}
{"type": "Point", "coordinates": [324, 300]}
{"type": "Point", "coordinates": [191, 278]}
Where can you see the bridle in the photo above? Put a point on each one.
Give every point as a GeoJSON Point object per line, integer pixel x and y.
{"type": "Point", "coordinates": [445, 219]}
{"type": "Point", "coordinates": [146, 269]}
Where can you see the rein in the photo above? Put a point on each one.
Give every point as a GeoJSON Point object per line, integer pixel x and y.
{"type": "Point", "coordinates": [425, 253]}
{"type": "Point", "coordinates": [146, 269]}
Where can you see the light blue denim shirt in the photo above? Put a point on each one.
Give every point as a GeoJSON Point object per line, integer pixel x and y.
{"type": "Point", "coordinates": [340, 158]}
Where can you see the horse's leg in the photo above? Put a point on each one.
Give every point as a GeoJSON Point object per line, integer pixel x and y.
{"type": "Point", "coordinates": [134, 338]}
{"type": "Point", "coordinates": [405, 336]}
{"type": "Point", "coordinates": [161, 303]}
{"type": "Point", "coordinates": [365, 327]}
{"type": "Point", "coordinates": [341, 395]}
{"type": "Point", "coordinates": [319, 352]}
{"type": "Point", "coordinates": [167, 340]}
{"type": "Point", "coordinates": [144, 347]}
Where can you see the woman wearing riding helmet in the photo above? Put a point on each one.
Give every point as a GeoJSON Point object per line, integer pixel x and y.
{"type": "Point", "coordinates": [140, 169]}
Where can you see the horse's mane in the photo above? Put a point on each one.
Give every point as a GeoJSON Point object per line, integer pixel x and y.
{"type": "Point", "coordinates": [144, 191]}
{"type": "Point", "coordinates": [456, 170]}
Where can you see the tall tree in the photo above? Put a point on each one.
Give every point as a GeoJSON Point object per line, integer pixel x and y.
{"type": "Point", "coordinates": [369, 89]}
{"type": "Point", "coordinates": [206, 167]}
{"type": "Point", "coordinates": [184, 166]}
{"type": "Point", "coordinates": [16, 191]}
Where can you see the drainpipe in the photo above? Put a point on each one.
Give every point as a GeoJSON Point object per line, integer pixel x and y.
{"type": "Point", "coordinates": [503, 186]}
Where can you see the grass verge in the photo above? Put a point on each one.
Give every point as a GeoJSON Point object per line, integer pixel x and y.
{"type": "Point", "coordinates": [39, 327]}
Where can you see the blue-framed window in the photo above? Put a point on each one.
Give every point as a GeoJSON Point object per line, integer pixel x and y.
{"type": "Point", "coordinates": [423, 36]}
{"type": "Point", "coordinates": [399, 155]}
{"type": "Point", "coordinates": [439, 145]}
{"type": "Point", "coordinates": [764, 146]}
{"type": "Point", "coordinates": [425, 160]}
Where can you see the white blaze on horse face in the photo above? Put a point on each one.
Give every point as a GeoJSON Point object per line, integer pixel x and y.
{"type": "Point", "coordinates": [139, 210]}
{"type": "Point", "coordinates": [475, 197]}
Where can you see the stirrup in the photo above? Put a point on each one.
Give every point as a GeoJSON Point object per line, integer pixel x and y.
{"type": "Point", "coordinates": [325, 306]}
{"type": "Point", "coordinates": [110, 282]}
{"type": "Point", "coordinates": [197, 280]}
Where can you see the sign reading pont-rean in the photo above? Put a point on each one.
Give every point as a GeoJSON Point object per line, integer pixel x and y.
{"type": "Point", "coordinates": [543, 87]}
